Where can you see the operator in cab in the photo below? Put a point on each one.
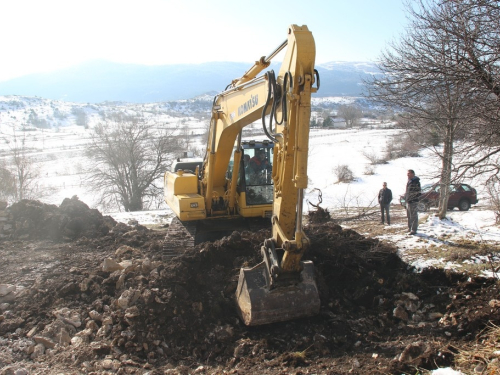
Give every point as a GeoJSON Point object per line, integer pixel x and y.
{"type": "Point", "coordinates": [259, 169]}
{"type": "Point", "coordinates": [260, 163]}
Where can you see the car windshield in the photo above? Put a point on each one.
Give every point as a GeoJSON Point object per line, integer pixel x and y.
{"type": "Point", "coordinates": [426, 188]}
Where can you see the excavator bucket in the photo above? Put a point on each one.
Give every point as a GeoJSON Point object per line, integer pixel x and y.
{"type": "Point", "coordinates": [258, 303]}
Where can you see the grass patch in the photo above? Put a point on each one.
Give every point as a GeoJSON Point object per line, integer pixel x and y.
{"type": "Point", "coordinates": [469, 256]}
{"type": "Point", "coordinates": [483, 356]}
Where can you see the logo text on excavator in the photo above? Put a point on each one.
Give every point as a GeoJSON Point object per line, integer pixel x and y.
{"type": "Point", "coordinates": [249, 104]}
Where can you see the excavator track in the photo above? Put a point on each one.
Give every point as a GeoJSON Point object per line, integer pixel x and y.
{"type": "Point", "coordinates": [180, 237]}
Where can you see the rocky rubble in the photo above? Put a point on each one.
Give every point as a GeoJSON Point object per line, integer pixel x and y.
{"type": "Point", "coordinates": [109, 304]}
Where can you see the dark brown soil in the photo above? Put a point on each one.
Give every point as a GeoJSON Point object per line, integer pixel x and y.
{"type": "Point", "coordinates": [377, 315]}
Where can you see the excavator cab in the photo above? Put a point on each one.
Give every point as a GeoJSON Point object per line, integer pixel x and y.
{"type": "Point", "coordinates": [255, 180]}
{"type": "Point", "coordinates": [255, 185]}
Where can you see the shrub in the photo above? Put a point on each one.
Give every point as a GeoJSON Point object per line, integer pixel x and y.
{"type": "Point", "coordinates": [369, 170]}
{"type": "Point", "coordinates": [374, 158]}
{"type": "Point", "coordinates": [7, 183]}
{"type": "Point", "coordinates": [343, 173]}
{"type": "Point", "coordinates": [401, 145]}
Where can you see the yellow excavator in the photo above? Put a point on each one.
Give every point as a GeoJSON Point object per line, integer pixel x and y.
{"type": "Point", "coordinates": [241, 179]}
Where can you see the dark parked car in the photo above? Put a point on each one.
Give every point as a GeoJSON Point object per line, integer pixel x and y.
{"type": "Point", "coordinates": [461, 196]}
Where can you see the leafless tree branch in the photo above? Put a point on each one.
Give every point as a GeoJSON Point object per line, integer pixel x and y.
{"type": "Point", "coordinates": [129, 157]}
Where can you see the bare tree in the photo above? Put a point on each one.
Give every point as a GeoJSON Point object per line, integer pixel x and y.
{"type": "Point", "coordinates": [186, 135]}
{"type": "Point", "coordinates": [206, 129]}
{"type": "Point", "coordinates": [23, 173]}
{"type": "Point", "coordinates": [26, 175]}
{"type": "Point", "coordinates": [129, 157]}
{"type": "Point", "coordinates": [472, 30]}
{"type": "Point", "coordinates": [350, 113]}
{"type": "Point", "coordinates": [434, 104]}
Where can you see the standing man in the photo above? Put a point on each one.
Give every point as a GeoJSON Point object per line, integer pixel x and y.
{"type": "Point", "coordinates": [412, 196]}
{"type": "Point", "coordinates": [385, 199]}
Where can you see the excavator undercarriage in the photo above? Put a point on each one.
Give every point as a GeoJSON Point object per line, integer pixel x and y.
{"type": "Point", "coordinates": [182, 236]}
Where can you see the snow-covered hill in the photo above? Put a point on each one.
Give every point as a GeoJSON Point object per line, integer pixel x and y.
{"type": "Point", "coordinates": [100, 81]}
{"type": "Point", "coordinates": [351, 66]}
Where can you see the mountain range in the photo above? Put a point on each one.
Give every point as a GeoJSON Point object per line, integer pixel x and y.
{"type": "Point", "coordinates": [99, 81]}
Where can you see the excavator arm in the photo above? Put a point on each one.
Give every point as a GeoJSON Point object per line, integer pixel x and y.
{"type": "Point", "coordinates": [235, 108]}
{"type": "Point", "coordinates": [282, 287]}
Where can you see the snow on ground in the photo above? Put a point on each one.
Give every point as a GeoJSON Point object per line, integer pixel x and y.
{"type": "Point", "coordinates": [330, 148]}
{"type": "Point", "coordinates": [157, 217]}
{"type": "Point", "coordinates": [446, 371]}
{"type": "Point", "coordinates": [475, 225]}
{"type": "Point", "coordinates": [334, 100]}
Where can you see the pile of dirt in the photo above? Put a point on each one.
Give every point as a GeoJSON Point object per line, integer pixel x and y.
{"type": "Point", "coordinates": [111, 304]}
{"type": "Point", "coordinates": [71, 220]}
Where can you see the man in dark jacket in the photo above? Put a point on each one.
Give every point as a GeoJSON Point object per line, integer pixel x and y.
{"type": "Point", "coordinates": [412, 196]}
{"type": "Point", "coordinates": [385, 199]}
{"type": "Point", "coordinates": [259, 162]}
{"type": "Point", "coordinates": [257, 166]}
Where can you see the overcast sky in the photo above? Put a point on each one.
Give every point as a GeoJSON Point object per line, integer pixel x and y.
{"type": "Point", "coordinates": [45, 35]}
